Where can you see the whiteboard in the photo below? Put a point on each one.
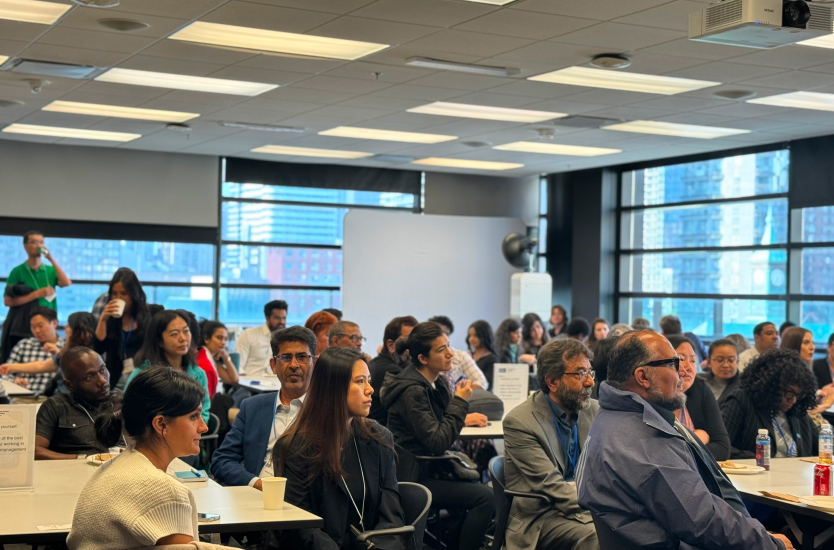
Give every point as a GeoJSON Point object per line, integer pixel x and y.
{"type": "Point", "coordinates": [404, 264]}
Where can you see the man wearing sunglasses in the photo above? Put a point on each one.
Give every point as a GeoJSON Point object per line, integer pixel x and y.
{"type": "Point", "coordinates": [246, 453]}
{"type": "Point", "coordinates": [544, 438]}
{"type": "Point", "coordinates": [648, 480]}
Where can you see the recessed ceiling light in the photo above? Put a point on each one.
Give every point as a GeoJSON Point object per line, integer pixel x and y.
{"type": "Point", "coordinates": [734, 95]}
{"type": "Point", "coordinates": [483, 112]}
{"type": "Point", "coordinates": [630, 82]}
{"type": "Point", "coordinates": [274, 41]}
{"type": "Point", "coordinates": [307, 152]}
{"type": "Point", "coordinates": [75, 133]}
{"type": "Point", "coordinates": [185, 82]}
{"type": "Point", "coordinates": [472, 68]}
{"type": "Point", "coordinates": [386, 135]}
{"type": "Point", "coordinates": [798, 100]}
{"type": "Point", "coordinates": [673, 129]}
{"type": "Point", "coordinates": [32, 11]}
{"type": "Point", "coordinates": [472, 164]}
{"type": "Point", "coordinates": [123, 25]}
{"type": "Point", "coordinates": [118, 112]}
{"type": "Point", "coordinates": [556, 149]}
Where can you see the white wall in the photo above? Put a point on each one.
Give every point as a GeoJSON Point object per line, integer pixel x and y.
{"type": "Point", "coordinates": [106, 184]}
{"type": "Point", "coordinates": [401, 264]}
{"type": "Point", "coordinates": [467, 195]}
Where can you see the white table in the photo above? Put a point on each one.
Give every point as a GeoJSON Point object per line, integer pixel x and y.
{"type": "Point", "coordinates": [494, 430]}
{"type": "Point", "coordinates": [794, 477]}
{"type": "Point", "coordinates": [13, 390]}
{"type": "Point", "coordinates": [59, 482]}
{"type": "Point", "coordinates": [260, 384]}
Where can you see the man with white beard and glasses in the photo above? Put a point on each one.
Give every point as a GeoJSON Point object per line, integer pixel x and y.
{"type": "Point", "coordinates": [647, 480]}
{"type": "Point", "coordinates": [544, 438]}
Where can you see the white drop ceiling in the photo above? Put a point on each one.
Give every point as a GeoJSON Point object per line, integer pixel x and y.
{"type": "Point", "coordinates": [536, 36]}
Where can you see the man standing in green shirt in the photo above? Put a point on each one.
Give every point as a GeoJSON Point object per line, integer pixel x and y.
{"type": "Point", "coordinates": [41, 278]}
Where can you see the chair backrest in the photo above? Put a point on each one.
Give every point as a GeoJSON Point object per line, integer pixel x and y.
{"type": "Point", "coordinates": [408, 467]}
{"type": "Point", "coordinates": [608, 539]}
{"type": "Point", "coordinates": [213, 424]}
{"type": "Point", "coordinates": [502, 504]}
{"type": "Point", "coordinates": [415, 501]}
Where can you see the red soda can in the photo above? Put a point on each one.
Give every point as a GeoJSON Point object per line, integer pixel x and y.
{"type": "Point", "coordinates": [822, 480]}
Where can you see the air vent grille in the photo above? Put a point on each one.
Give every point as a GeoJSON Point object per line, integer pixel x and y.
{"type": "Point", "coordinates": [723, 14]}
{"type": "Point", "coordinates": [822, 18]}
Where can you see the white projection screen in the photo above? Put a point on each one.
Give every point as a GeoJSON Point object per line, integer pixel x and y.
{"type": "Point", "coordinates": [405, 264]}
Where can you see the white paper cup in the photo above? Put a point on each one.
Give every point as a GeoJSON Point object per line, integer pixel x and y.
{"type": "Point", "coordinates": [121, 310]}
{"type": "Point", "coordinates": [273, 489]}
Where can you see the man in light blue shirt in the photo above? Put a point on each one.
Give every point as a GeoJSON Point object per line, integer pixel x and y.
{"type": "Point", "coordinates": [246, 454]}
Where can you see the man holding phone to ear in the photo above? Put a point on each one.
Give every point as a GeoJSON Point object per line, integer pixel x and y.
{"type": "Point", "coordinates": [33, 273]}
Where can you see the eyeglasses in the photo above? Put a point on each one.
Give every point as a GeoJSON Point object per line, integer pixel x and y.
{"type": "Point", "coordinates": [288, 357]}
{"type": "Point", "coordinates": [789, 396]}
{"type": "Point", "coordinates": [672, 363]}
{"type": "Point", "coordinates": [583, 375]}
{"type": "Point", "coordinates": [724, 360]}
{"type": "Point", "coordinates": [353, 337]}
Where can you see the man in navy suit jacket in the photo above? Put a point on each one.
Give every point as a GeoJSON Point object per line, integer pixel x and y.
{"type": "Point", "coordinates": [246, 454]}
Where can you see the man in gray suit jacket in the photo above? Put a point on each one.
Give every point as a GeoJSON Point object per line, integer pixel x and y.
{"type": "Point", "coordinates": [543, 439]}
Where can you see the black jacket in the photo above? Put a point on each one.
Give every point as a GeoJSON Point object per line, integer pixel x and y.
{"type": "Point", "coordinates": [743, 422]}
{"type": "Point", "coordinates": [705, 414]}
{"type": "Point", "coordinates": [330, 501]}
{"type": "Point", "coordinates": [381, 365]}
{"type": "Point", "coordinates": [16, 325]}
{"type": "Point", "coordinates": [487, 366]}
{"type": "Point", "coordinates": [732, 385]}
{"type": "Point", "coordinates": [424, 420]}
{"type": "Point", "coordinates": [822, 372]}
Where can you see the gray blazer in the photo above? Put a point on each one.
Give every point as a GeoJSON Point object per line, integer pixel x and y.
{"type": "Point", "coordinates": [535, 463]}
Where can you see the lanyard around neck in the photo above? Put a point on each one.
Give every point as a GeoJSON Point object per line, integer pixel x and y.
{"type": "Point", "coordinates": [792, 447]}
{"type": "Point", "coordinates": [33, 274]}
{"type": "Point", "coordinates": [364, 489]}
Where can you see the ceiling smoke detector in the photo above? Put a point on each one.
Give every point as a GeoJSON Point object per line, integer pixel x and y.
{"type": "Point", "coordinates": [736, 95]}
{"type": "Point", "coordinates": [610, 61]}
{"type": "Point", "coordinates": [97, 3]}
{"type": "Point", "coordinates": [476, 144]}
{"type": "Point", "coordinates": [178, 127]}
{"type": "Point", "coordinates": [123, 25]}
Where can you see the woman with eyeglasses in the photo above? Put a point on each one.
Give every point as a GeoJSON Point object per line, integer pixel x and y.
{"type": "Point", "coordinates": [701, 413]}
{"type": "Point", "coordinates": [721, 373]}
{"type": "Point", "coordinates": [168, 343]}
{"type": "Point", "coordinates": [775, 392]}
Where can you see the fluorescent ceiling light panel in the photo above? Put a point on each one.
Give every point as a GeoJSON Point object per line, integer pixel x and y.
{"type": "Point", "coordinates": [32, 11]}
{"type": "Point", "coordinates": [486, 113]}
{"type": "Point", "coordinates": [118, 112]}
{"type": "Point", "coordinates": [826, 41]}
{"type": "Point", "coordinates": [472, 68]}
{"type": "Point", "coordinates": [556, 149]}
{"type": "Point", "coordinates": [471, 164]}
{"type": "Point", "coordinates": [75, 133]}
{"type": "Point", "coordinates": [672, 129]}
{"type": "Point", "coordinates": [3, 59]}
{"type": "Point", "coordinates": [306, 152]}
{"type": "Point", "coordinates": [274, 41]}
{"type": "Point", "coordinates": [629, 82]}
{"type": "Point", "coordinates": [184, 82]}
{"type": "Point", "coordinates": [493, 2]}
{"type": "Point", "coordinates": [798, 100]}
{"type": "Point", "coordinates": [385, 135]}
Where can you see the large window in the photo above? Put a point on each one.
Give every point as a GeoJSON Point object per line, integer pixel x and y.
{"type": "Point", "coordinates": [707, 241]}
{"type": "Point", "coordinates": [174, 275]}
{"type": "Point", "coordinates": [285, 243]}
{"type": "Point", "coordinates": [812, 270]}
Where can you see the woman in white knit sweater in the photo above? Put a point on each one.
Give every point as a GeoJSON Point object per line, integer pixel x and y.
{"type": "Point", "coordinates": [131, 501]}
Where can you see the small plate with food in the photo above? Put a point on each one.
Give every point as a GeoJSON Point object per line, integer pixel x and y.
{"type": "Point", "coordinates": [730, 467]}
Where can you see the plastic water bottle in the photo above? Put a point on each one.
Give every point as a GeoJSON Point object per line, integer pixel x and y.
{"type": "Point", "coordinates": [763, 450]}
{"type": "Point", "coordinates": [826, 444]}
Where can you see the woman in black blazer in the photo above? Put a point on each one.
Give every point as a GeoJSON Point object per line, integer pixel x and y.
{"type": "Point", "coordinates": [339, 465]}
{"type": "Point", "coordinates": [701, 413]}
{"type": "Point", "coordinates": [775, 393]}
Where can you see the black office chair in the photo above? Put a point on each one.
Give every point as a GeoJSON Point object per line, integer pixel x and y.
{"type": "Point", "coordinates": [415, 501]}
{"type": "Point", "coordinates": [608, 539]}
{"type": "Point", "coordinates": [504, 500]}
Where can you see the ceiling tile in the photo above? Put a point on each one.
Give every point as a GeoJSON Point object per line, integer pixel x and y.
{"type": "Point", "coordinates": [434, 13]}
{"type": "Point", "coordinates": [186, 51]}
{"type": "Point", "coordinates": [673, 16]}
{"type": "Point", "coordinates": [409, 91]}
{"type": "Point", "coordinates": [609, 97]}
{"type": "Point", "coordinates": [20, 30]}
{"type": "Point", "coordinates": [169, 65]}
{"type": "Point", "coordinates": [356, 114]}
{"type": "Point", "coordinates": [742, 109]}
{"type": "Point", "coordinates": [787, 57]}
{"type": "Point", "coordinates": [388, 73]}
{"type": "Point", "coordinates": [88, 19]}
{"type": "Point", "coordinates": [791, 80]}
{"type": "Point", "coordinates": [372, 30]}
{"type": "Point", "coordinates": [260, 16]}
{"type": "Point", "coordinates": [292, 93]}
{"type": "Point", "coordinates": [697, 50]}
{"type": "Point", "coordinates": [631, 112]}
{"type": "Point", "coordinates": [525, 24]}
{"type": "Point", "coordinates": [700, 118]}
{"type": "Point", "coordinates": [121, 90]}
{"type": "Point", "coordinates": [78, 56]}
{"type": "Point", "coordinates": [725, 72]}
{"type": "Point", "coordinates": [460, 81]}
{"type": "Point", "coordinates": [348, 85]}
{"type": "Point", "coordinates": [181, 9]}
{"type": "Point", "coordinates": [201, 98]}
{"type": "Point", "coordinates": [93, 40]}
{"type": "Point", "coordinates": [240, 113]}
{"type": "Point", "coordinates": [619, 37]}
{"type": "Point", "coordinates": [565, 106]}
{"type": "Point", "coordinates": [294, 64]}
{"type": "Point", "coordinates": [329, 6]}
{"type": "Point", "coordinates": [495, 100]}
{"type": "Point", "coordinates": [376, 101]}
{"type": "Point", "coordinates": [471, 43]}
{"type": "Point", "coordinates": [554, 56]}
{"type": "Point", "coordinates": [532, 89]}
{"type": "Point", "coordinates": [680, 104]}
{"type": "Point", "coordinates": [11, 47]}
{"type": "Point", "coordinates": [284, 106]}
{"type": "Point", "coordinates": [651, 63]}
{"type": "Point", "coordinates": [602, 10]}
{"type": "Point", "coordinates": [248, 74]}
{"type": "Point", "coordinates": [405, 122]}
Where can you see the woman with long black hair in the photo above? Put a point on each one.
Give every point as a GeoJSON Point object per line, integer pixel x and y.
{"type": "Point", "coordinates": [481, 342]}
{"type": "Point", "coordinates": [339, 465]}
{"type": "Point", "coordinates": [118, 338]}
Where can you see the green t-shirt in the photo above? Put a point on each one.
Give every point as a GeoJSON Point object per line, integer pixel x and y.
{"type": "Point", "coordinates": [43, 277]}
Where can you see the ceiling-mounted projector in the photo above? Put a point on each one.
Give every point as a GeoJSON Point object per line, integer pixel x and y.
{"type": "Point", "coordinates": [763, 24]}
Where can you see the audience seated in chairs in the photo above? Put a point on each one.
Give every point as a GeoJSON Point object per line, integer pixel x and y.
{"type": "Point", "coordinates": [543, 438]}
{"type": "Point", "coordinates": [721, 373]}
{"type": "Point", "coordinates": [388, 360]}
{"type": "Point", "coordinates": [339, 465]}
{"type": "Point", "coordinates": [213, 356]}
{"type": "Point", "coordinates": [131, 502]}
{"type": "Point", "coordinates": [40, 348]}
{"type": "Point", "coordinates": [462, 363]}
{"type": "Point", "coordinates": [426, 419]}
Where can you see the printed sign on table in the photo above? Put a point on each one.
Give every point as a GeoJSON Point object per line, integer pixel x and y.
{"type": "Point", "coordinates": [17, 447]}
{"type": "Point", "coordinates": [510, 384]}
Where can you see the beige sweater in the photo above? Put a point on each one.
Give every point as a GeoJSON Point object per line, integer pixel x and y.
{"type": "Point", "coordinates": [129, 503]}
